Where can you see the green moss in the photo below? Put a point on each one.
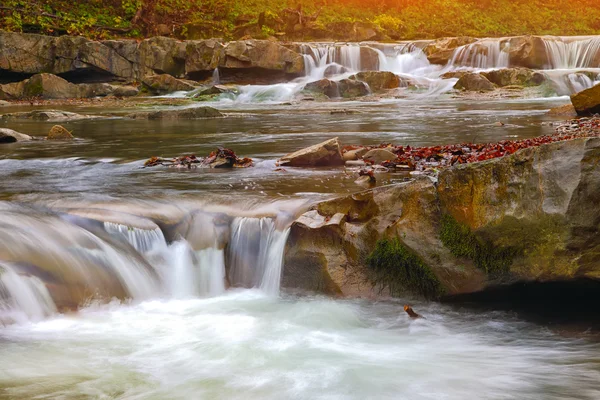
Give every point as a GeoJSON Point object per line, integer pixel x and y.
{"type": "Point", "coordinates": [395, 266]}
{"type": "Point", "coordinates": [458, 238]}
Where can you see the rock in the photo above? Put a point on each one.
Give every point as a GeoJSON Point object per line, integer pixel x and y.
{"type": "Point", "coordinates": [378, 80]}
{"type": "Point", "coordinates": [568, 110]}
{"type": "Point", "coordinates": [527, 217]}
{"type": "Point", "coordinates": [188, 113]}
{"type": "Point", "coordinates": [349, 88]}
{"type": "Point", "coordinates": [587, 101]}
{"type": "Point", "coordinates": [202, 56]}
{"type": "Point", "coordinates": [262, 54]}
{"type": "Point", "coordinates": [215, 89]}
{"type": "Point", "coordinates": [474, 82]}
{"type": "Point", "coordinates": [355, 154]}
{"type": "Point", "coordinates": [515, 77]}
{"type": "Point", "coordinates": [324, 86]}
{"type": "Point", "coordinates": [46, 115]}
{"type": "Point", "coordinates": [164, 84]}
{"type": "Point", "coordinates": [12, 91]}
{"type": "Point", "coordinates": [58, 132]}
{"type": "Point", "coordinates": [333, 70]}
{"type": "Point", "coordinates": [125, 91]}
{"type": "Point", "coordinates": [162, 55]}
{"type": "Point", "coordinates": [377, 156]}
{"type": "Point", "coordinates": [454, 74]}
{"type": "Point", "coordinates": [323, 154]}
{"type": "Point", "coordinates": [10, 136]}
{"type": "Point", "coordinates": [526, 51]}
{"type": "Point", "coordinates": [48, 86]}
{"type": "Point", "coordinates": [440, 51]}
{"type": "Point", "coordinates": [4, 103]}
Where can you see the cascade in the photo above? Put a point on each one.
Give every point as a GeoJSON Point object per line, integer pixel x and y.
{"type": "Point", "coordinates": [22, 297]}
{"type": "Point", "coordinates": [483, 54]}
{"type": "Point", "coordinates": [216, 78]}
{"type": "Point", "coordinates": [143, 240]}
{"type": "Point", "coordinates": [256, 253]}
{"type": "Point", "coordinates": [569, 53]}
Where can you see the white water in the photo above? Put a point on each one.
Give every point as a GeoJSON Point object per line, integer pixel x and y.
{"type": "Point", "coordinates": [247, 345]}
{"type": "Point", "coordinates": [336, 61]}
{"type": "Point", "coordinates": [143, 240]}
{"type": "Point", "coordinates": [22, 297]}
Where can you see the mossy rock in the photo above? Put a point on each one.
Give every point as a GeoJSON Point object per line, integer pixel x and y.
{"type": "Point", "coordinates": [395, 266]}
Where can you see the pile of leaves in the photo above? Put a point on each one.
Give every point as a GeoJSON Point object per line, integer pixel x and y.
{"type": "Point", "coordinates": [432, 158]}
{"type": "Point", "coordinates": [220, 158]}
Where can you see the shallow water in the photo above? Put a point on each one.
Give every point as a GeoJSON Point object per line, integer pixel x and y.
{"type": "Point", "coordinates": [246, 345]}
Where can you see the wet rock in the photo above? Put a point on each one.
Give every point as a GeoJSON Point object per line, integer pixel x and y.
{"type": "Point", "coordinates": [323, 154]}
{"type": "Point", "coordinates": [58, 132]}
{"type": "Point", "coordinates": [440, 51]}
{"type": "Point", "coordinates": [220, 158]}
{"type": "Point", "coordinates": [506, 220]}
{"type": "Point", "coordinates": [515, 77]}
{"type": "Point", "coordinates": [125, 91]}
{"type": "Point", "coordinates": [474, 82]}
{"type": "Point", "coordinates": [378, 80]}
{"type": "Point", "coordinates": [355, 154]}
{"type": "Point", "coordinates": [454, 74]}
{"type": "Point", "coordinates": [587, 101]}
{"type": "Point", "coordinates": [215, 90]}
{"type": "Point", "coordinates": [164, 84]}
{"type": "Point", "coordinates": [45, 115]}
{"type": "Point", "coordinates": [324, 86]}
{"type": "Point", "coordinates": [526, 51]}
{"type": "Point", "coordinates": [188, 113]}
{"type": "Point", "coordinates": [333, 70]}
{"type": "Point", "coordinates": [10, 136]}
{"type": "Point", "coordinates": [349, 88]}
{"type": "Point", "coordinates": [377, 156]}
{"type": "Point", "coordinates": [568, 110]}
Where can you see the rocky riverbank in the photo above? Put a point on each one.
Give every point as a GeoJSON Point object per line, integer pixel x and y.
{"type": "Point", "coordinates": [529, 216]}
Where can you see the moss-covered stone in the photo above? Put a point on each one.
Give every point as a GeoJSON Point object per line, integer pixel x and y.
{"type": "Point", "coordinates": [458, 238]}
{"type": "Point", "coordinates": [394, 266]}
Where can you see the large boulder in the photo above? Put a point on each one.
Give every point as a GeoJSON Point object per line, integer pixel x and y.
{"type": "Point", "coordinates": [527, 52]}
{"type": "Point", "coordinates": [10, 136]}
{"type": "Point", "coordinates": [48, 86]}
{"type": "Point", "coordinates": [162, 55]}
{"type": "Point", "coordinates": [263, 54]}
{"type": "Point", "coordinates": [531, 216]}
{"type": "Point", "coordinates": [202, 56]}
{"type": "Point", "coordinates": [346, 88]}
{"type": "Point", "coordinates": [474, 82]}
{"type": "Point", "coordinates": [12, 91]}
{"type": "Point", "coordinates": [440, 51]}
{"type": "Point", "coordinates": [587, 101]}
{"type": "Point", "coordinates": [515, 77]}
{"type": "Point", "coordinates": [324, 86]}
{"type": "Point", "coordinates": [327, 153]}
{"type": "Point", "coordinates": [164, 84]}
{"type": "Point", "coordinates": [378, 80]}
{"type": "Point", "coordinates": [187, 113]}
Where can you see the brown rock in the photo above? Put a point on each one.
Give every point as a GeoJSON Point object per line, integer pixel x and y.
{"type": "Point", "coordinates": [527, 51]}
{"type": "Point", "coordinates": [587, 101]}
{"type": "Point", "coordinates": [163, 84]}
{"type": "Point", "coordinates": [440, 51]}
{"type": "Point", "coordinates": [58, 132]}
{"type": "Point", "coordinates": [323, 154]}
{"type": "Point", "coordinates": [515, 77]}
{"type": "Point", "coordinates": [355, 154]}
{"type": "Point", "coordinates": [474, 82]}
{"type": "Point", "coordinates": [10, 136]}
{"type": "Point", "coordinates": [378, 156]}
{"type": "Point", "coordinates": [568, 110]}
{"type": "Point", "coordinates": [378, 80]}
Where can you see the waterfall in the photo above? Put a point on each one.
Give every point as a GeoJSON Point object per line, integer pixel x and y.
{"type": "Point", "coordinates": [256, 253]}
{"type": "Point", "coordinates": [579, 53]}
{"type": "Point", "coordinates": [216, 78]}
{"type": "Point", "coordinates": [22, 297]}
{"type": "Point", "coordinates": [143, 240]}
{"type": "Point", "coordinates": [483, 54]}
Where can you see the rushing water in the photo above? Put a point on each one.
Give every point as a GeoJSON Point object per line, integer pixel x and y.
{"type": "Point", "coordinates": [246, 345]}
{"type": "Point", "coordinates": [195, 257]}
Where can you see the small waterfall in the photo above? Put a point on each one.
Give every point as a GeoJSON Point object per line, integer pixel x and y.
{"type": "Point", "coordinates": [483, 54]}
{"type": "Point", "coordinates": [570, 83]}
{"type": "Point", "coordinates": [216, 78]}
{"type": "Point", "coordinates": [143, 240]}
{"type": "Point", "coordinates": [578, 53]}
{"type": "Point", "coordinates": [22, 297]}
{"type": "Point", "coordinates": [195, 273]}
{"type": "Point", "coordinates": [256, 253]}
